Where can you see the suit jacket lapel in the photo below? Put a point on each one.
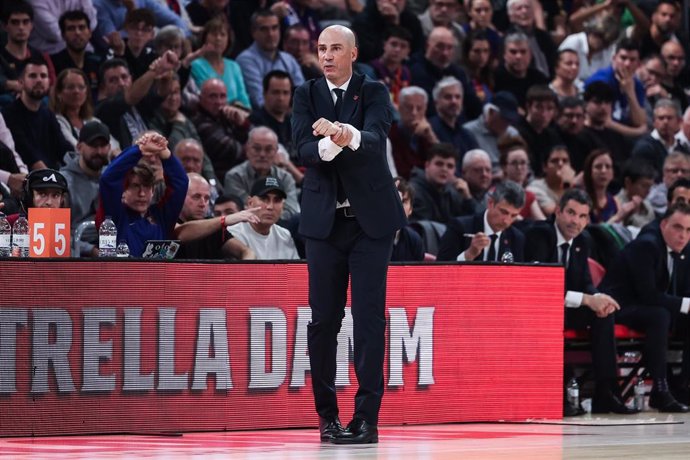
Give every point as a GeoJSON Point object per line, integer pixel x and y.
{"type": "Point", "coordinates": [323, 100]}
{"type": "Point", "coordinates": [351, 97]}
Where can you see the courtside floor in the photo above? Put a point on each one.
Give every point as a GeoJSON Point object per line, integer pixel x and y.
{"type": "Point", "coordinates": [663, 437]}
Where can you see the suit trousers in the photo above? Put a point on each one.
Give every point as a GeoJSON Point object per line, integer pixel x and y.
{"type": "Point", "coordinates": [603, 342]}
{"type": "Point", "coordinates": [655, 322]}
{"type": "Point", "coordinates": [348, 251]}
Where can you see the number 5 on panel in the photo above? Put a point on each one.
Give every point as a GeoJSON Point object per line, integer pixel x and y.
{"type": "Point", "coordinates": [50, 232]}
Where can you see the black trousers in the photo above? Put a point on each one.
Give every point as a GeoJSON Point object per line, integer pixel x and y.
{"type": "Point", "coordinates": [602, 340]}
{"type": "Point", "coordinates": [655, 322]}
{"type": "Point", "coordinates": [348, 251]}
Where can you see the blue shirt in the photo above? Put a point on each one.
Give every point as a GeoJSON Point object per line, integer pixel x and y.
{"type": "Point", "coordinates": [621, 108]}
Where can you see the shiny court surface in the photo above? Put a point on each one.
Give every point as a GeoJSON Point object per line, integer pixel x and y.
{"type": "Point", "coordinates": [453, 441]}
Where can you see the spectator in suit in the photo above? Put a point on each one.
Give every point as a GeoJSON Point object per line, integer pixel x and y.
{"type": "Point", "coordinates": [561, 240]}
{"type": "Point", "coordinates": [676, 167]}
{"type": "Point", "coordinates": [437, 195]}
{"type": "Point", "coordinates": [649, 278]}
{"type": "Point", "coordinates": [487, 235]}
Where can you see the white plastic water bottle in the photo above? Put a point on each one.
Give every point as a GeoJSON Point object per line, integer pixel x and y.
{"type": "Point", "coordinates": [107, 238]}
{"type": "Point", "coordinates": [122, 249]}
{"type": "Point", "coordinates": [640, 391]}
{"type": "Point", "coordinates": [5, 236]}
{"type": "Point", "coordinates": [573, 393]}
{"type": "Point", "coordinates": [20, 237]}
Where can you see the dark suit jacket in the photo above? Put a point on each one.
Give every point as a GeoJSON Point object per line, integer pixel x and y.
{"type": "Point", "coordinates": [639, 275]}
{"type": "Point", "coordinates": [364, 173]}
{"type": "Point", "coordinates": [541, 247]}
{"type": "Point", "coordinates": [454, 243]}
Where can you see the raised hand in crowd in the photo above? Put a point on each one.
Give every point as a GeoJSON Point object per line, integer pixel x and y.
{"type": "Point", "coordinates": [153, 144]}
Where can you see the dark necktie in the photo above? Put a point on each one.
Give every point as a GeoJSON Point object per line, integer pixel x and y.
{"type": "Point", "coordinates": [673, 281]}
{"type": "Point", "coordinates": [491, 257]}
{"type": "Point", "coordinates": [565, 247]}
{"type": "Point", "coordinates": [338, 101]}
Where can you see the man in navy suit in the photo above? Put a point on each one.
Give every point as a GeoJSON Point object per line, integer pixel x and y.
{"type": "Point", "coordinates": [561, 241]}
{"type": "Point", "coordinates": [487, 235]}
{"type": "Point", "coordinates": [650, 280]}
{"type": "Point", "coordinates": [350, 213]}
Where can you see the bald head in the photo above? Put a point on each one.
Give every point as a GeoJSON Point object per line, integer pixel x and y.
{"type": "Point", "coordinates": [213, 96]}
{"type": "Point", "coordinates": [337, 52]}
{"type": "Point", "coordinates": [198, 197]}
{"type": "Point", "coordinates": [440, 47]}
{"type": "Point", "coordinates": [674, 57]}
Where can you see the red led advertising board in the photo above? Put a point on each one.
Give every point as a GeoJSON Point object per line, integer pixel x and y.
{"type": "Point", "coordinates": [142, 347]}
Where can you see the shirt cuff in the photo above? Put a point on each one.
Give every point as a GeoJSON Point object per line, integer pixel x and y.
{"type": "Point", "coordinates": [573, 299]}
{"type": "Point", "coordinates": [356, 137]}
{"type": "Point", "coordinates": [685, 306]}
{"type": "Point", "coordinates": [461, 257]}
{"type": "Point", "coordinates": [328, 149]}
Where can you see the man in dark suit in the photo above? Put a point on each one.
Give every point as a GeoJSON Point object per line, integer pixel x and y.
{"type": "Point", "coordinates": [560, 240]}
{"type": "Point", "coordinates": [487, 235]}
{"type": "Point", "coordinates": [350, 213]}
{"type": "Point", "coordinates": [650, 279]}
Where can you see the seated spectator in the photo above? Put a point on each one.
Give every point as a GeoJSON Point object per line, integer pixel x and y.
{"type": "Point", "coordinates": [48, 34]}
{"type": "Point", "coordinates": [515, 74]}
{"type": "Point", "coordinates": [370, 25]}
{"type": "Point", "coordinates": [42, 188]}
{"type": "Point", "coordinates": [480, 14]}
{"type": "Point", "coordinates": [649, 279]}
{"type": "Point", "coordinates": [476, 57]}
{"type": "Point", "coordinates": [487, 235]}
{"type": "Point", "coordinates": [215, 41]}
{"type": "Point", "coordinates": [436, 197]}
{"type": "Point", "coordinates": [437, 63]}
{"type": "Point", "coordinates": [261, 150]}
{"type": "Point", "coordinates": [135, 49]}
{"type": "Point", "coordinates": [126, 193]}
{"type": "Point", "coordinates": [263, 56]}
{"type": "Point", "coordinates": [70, 100]}
{"type": "Point", "coordinates": [267, 239]}
{"type": "Point", "coordinates": [111, 19]}
{"type": "Point", "coordinates": [75, 29]}
{"type": "Point", "coordinates": [18, 22]}
{"type": "Point", "coordinates": [125, 106]}
{"type": "Point", "coordinates": [411, 136]}
{"type": "Point", "coordinates": [13, 170]}
{"type": "Point", "coordinates": [559, 176]}
{"type": "Point", "coordinates": [202, 11]}
{"type": "Point", "coordinates": [204, 237]}
{"type": "Point", "coordinates": [168, 120]}
{"type": "Point", "coordinates": [35, 130]}
{"type": "Point", "coordinates": [677, 75]}
{"type": "Point", "coordinates": [598, 106]}
{"type": "Point", "coordinates": [570, 124]}
{"type": "Point", "coordinates": [628, 91]}
{"type": "Point", "coordinates": [535, 127]}
{"type": "Point", "coordinates": [683, 135]}
{"type": "Point", "coordinates": [515, 165]}
{"type": "Point", "coordinates": [275, 113]}
{"type": "Point", "coordinates": [522, 16]}
{"type": "Point", "coordinates": [676, 167]}
{"type": "Point", "coordinates": [597, 177]}
{"type": "Point", "coordinates": [407, 245]}
{"type": "Point", "coordinates": [226, 205]}
{"type": "Point", "coordinates": [498, 118]}
{"type": "Point", "coordinates": [665, 21]}
{"type": "Point", "coordinates": [447, 124]}
{"type": "Point", "coordinates": [638, 178]}
{"type": "Point", "coordinates": [390, 67]}
{"type": "Point", "coordinates": [594, 45]}
{"type": "Point", "coordinates": [565, 82]}
{"type": "Point", "coordinates": [82, 171]}
{"type": "Point", "coordinates": [171, 38]}
{"type": "Point", "coordinates": [561, 240]}
{"type": "Point", "coordinates": [297, 42]}
{"type": "Point", "coordinates": [652, 74]}
{"type": "Point", "coordinates": [476, 174]}
{"type": "Point", "coordinates": [444, 13]}
{"type": "Point", "coordinates": [194, 160]}
{"type": "Point", "coordinates": [654, 147]}
{"type": "Point", "coordinates": [222, 127]}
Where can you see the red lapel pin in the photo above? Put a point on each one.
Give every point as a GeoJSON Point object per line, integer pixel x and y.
{"type": "Point", "coordinates": [355, 97]}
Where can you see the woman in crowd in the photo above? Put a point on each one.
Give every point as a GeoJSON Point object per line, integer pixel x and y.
{"type": "Point", "coordinates": [476, 54]}
{"type": "Point", "coordinates": [70, 100]}
{"type": "Point", "coordinates": [514, 162]}
{"type": "Point", "coordinates": [481, 13]}
{"type": "Point", "coordinates": [566, 83]}
{"type": "Point", "coordinates": [598, 175]}
{"type": "Point", "coordinates": [213, 64]}
{"type": "Point", "coordinates": [558, 177]}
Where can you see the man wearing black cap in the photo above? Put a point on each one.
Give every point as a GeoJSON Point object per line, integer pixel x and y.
{"type": "Point", "coordinates": [43, 188]}
{"type": "Point", "coordinates": [268, 240]}
{"type": "Point", "coordinates": [498, 118]}
{"type": "Point", "coordinates": [82, 171]}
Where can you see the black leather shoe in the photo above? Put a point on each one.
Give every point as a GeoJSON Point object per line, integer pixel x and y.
{"type": "Point", "coordinates": [358, 432]}
{"type": "Point", "coordinates": [663, 401]}
{"type": "Point", "coordinates": [329, 429]}
{"type": "Point", "coordinates": [571, 411]}
{"type": "Point", "coordinates": [610, 402]}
